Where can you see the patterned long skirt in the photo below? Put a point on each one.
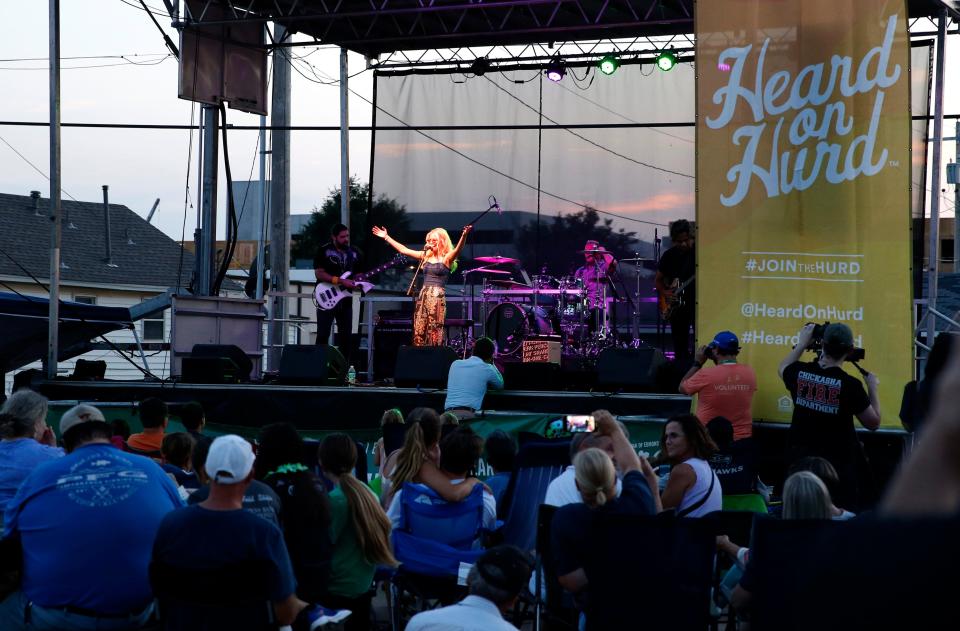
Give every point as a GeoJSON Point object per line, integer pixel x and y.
{"type": "Point", "coordinates": [428, 317]}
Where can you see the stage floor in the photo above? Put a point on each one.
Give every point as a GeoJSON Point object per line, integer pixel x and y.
{"type": "Point", "coordinates": [330, 407]}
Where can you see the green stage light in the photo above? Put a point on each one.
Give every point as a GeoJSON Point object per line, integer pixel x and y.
{"type": "Point", "coordinates": [666, 60]}
{"type": "Point", "coordinates": [608, 64]}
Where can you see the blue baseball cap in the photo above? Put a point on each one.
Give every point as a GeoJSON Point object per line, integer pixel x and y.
{"type": "Point", "coordinates": [726, 341]}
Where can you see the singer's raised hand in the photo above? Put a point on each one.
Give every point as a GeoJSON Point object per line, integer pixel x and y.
{"type": "Point", "coordinates": [467, 228]}
{"type": "Point", "coordinates": [380, 231]}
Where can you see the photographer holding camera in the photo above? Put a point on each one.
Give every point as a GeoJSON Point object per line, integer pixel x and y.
{"type": "Point", "coordinates": [725, 389]}
{"type": "Point", "coordinates": [825, 400]}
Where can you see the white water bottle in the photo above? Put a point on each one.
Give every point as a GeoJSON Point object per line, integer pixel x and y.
{"type": "Point", "coordinates": [351, 376]}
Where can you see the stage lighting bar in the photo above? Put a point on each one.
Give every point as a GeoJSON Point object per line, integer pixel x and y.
{"type": "Point", "coordinates": [608, 64]}
{"type": "Point", "coordinates": [666, 60]}
{"type": "Point", "coordinates": [556, 71]}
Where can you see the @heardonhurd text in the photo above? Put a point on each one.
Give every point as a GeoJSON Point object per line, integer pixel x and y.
{"type": "Point", "coordinates": [801, 312]}
{"type": "Point", "coordinates": [820, 114]}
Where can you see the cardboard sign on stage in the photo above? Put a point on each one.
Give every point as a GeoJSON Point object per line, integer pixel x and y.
{"type": "Point", "coordinates": [803, 182]}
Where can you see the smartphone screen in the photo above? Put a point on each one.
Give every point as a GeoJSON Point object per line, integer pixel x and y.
{"type": "Point", "coordinates": [580, 423]}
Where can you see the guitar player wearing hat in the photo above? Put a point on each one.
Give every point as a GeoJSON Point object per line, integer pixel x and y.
{"type": "Point", "coordinates": [676, 288]}
{"type": "Point", "coordinates": [332, 261]}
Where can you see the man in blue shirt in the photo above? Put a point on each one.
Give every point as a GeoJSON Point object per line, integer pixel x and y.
{"type": "Point", "coordinates": [218, 533]}
{"type": "Point", "coordinates": [469, 378]}
{"type": "Point", "coordinates": [86, 523]}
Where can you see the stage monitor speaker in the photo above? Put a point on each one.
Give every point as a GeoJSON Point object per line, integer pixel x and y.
{"type": "Point", "coordinates": [210, 370]}
{"type": "Point", "coordinates": [312, 365]}
{"type": "Point", "coordinates": [540, 376]}
{"type": "Point", "coordinates": [631, 369]}
{"type": "Point", "coordinates": [423, 366]}
{"type": "Point", "coordinates": [87, 370]}
{"type": "Point", "coordinates": [244, 365]}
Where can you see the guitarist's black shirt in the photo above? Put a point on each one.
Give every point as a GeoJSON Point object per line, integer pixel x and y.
{"type": "Point", "coordinates": [336, 262]}
{"type": "Point", "coordinates": [682, 264]}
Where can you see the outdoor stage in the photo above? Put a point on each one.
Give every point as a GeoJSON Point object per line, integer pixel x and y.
{"type": "Point", "coordinates": [326, 408]}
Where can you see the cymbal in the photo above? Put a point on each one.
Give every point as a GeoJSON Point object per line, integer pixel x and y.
{"type": "Point", "coordinates": [496, 260]}
{"type": "Point", "coordinates": [484, 270]}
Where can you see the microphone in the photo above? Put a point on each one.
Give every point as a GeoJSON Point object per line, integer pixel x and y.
{"type": "Point", "coordinates": [493, 204]}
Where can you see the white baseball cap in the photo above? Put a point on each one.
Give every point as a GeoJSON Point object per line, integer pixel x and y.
{"type": "Point", "coordinates": [229, 460]}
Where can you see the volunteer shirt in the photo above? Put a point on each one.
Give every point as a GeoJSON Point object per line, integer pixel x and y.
{"type": "Point", "coordinates": [725, 390]}
{"type": "Point", "coordinates": [87, 522]}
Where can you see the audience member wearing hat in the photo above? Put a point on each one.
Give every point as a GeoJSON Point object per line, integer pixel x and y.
{"type": "Point", "coordinates": [725, 389]}
{"type": "Point", "coordinates": [219, 533]}
{"type": "Point", "coordinates": [495, 583]}
{"type": "Point", "coordinates": [825, 399]}
{"type": "Point", "coordinates": [59, 514]}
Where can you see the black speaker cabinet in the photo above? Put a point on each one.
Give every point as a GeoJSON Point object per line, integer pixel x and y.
{"type": "Point", "coordinates": [312, 364]}
{"type": "Point", "coordinates": [424, 366]}
{"type": "Point", "coordinates": [244, 365]}
{"type": "Point", "coordinates": [631, 369]}
{"type": "Point", "coordinates": [212, 370]}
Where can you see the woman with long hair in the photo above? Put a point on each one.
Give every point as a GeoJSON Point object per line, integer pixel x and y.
{"type": "Point", "coordinates": [359, 532]}
{"type": "Point", "coordinates": [419, 460]}
{"type": "Point", "coordinates": [305, 509]}
{"type": "Point", "coordinates": [437, 258]}
{"type": "Point", "coordinates": [693, 489]}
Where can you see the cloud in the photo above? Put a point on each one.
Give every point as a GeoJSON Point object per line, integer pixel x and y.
{"type": "Point", "coordinates": [400, 149]}
{"type": "Point", "coordinates": [658, 202]}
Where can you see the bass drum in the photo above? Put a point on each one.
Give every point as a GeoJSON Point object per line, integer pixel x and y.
{"type": "Point", "coordinates": [509, 323]}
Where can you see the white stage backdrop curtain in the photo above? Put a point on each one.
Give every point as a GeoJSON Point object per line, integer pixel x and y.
{"type": "Point", "coordinates": [614, 170]}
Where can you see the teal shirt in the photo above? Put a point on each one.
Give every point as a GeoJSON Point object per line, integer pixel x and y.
{"type": "Point", "coordinates": [351, 575]}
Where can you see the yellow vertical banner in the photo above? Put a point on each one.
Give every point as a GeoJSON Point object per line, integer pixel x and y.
{"type": "Point", "coordinates": [803, 182]}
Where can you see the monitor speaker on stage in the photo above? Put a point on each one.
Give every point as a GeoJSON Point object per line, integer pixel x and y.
{"type": "Point", "coordinates": [312, 365]}
{"type": "Point", "coordinates": [243, 363]}
{"type": "Point", "coordinates": [630, 369]}
{"type": "Point", "coordinates": [209, 370]}
{"type": "Point", "coordinates": [423, 366]}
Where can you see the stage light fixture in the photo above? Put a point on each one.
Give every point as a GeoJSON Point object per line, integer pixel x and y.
{"type": "Point", "coordinates": [666, 60]}
{"type": "Point", "coordinates": [556, 71]}
{"type": "Point", "coordinates": [480, 66]}
{"type": "Point", "coordinates": [608, 64]}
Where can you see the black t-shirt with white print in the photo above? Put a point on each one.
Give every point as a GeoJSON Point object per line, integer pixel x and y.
{"type": "Point", "coordinates": [825, 401]}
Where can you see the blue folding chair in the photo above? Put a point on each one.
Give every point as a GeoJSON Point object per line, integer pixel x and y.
{"type": "Point", "coordinates": [433, 539]}
{"type": "Point", "coordinates": [537, 464]}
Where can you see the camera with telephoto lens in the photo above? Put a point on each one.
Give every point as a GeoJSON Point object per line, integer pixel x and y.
{"type": "Point", "coordinates": [816, 343]}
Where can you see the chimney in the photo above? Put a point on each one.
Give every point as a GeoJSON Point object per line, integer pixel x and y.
{"type": "Point", "coordinates": [35, 196]}
{"type": "Point", "coordinates": [106, 223]}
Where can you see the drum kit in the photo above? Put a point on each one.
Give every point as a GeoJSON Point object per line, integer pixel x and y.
{"type": "Point", "coordinates": [546, 307]}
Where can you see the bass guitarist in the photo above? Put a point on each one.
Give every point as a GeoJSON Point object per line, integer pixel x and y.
{"type": "Point", "coordinates": [677, 266]}
{"type": "Point", "coordinates": [333, 260]}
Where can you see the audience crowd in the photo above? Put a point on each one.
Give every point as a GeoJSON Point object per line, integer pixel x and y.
{"type": "Point", "coordinates": [112, 530]}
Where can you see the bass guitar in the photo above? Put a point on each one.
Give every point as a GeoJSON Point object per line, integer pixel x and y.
{"type": "Point", "coordinates": [327, 295]}
{"type": "Point", "coordinates": [671, 302]}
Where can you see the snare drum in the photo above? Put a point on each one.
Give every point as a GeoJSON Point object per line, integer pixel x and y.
{"type": "Point", "coordinates": [509, 323]}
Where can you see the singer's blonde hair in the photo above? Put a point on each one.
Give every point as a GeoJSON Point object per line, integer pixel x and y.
{"type": "Point", "coordinates": [596, 476]}
{"type": "Point", "coordinates": [444, 245]}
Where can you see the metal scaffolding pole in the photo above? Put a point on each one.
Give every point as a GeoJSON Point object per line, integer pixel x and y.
{"type": "Point", "coordinates": [279, 199]}
{"type": "Point", "coordinates": [933, 255]}
{"type": "Point", "coordinates": [56, 232]}
{"type": "Point", "coordinates": [344, 141]}
{"type": "Point", "coordinates": [208, 209]}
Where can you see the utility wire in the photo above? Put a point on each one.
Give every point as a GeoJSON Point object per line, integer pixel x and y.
{"type": "Point", "coordinates": [584, 138]}
{"type": "Point", "coordinates": [35, 167]}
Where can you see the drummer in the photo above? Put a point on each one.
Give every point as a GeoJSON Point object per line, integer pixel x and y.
{"type": "Point", "coordinates": [597, 271]}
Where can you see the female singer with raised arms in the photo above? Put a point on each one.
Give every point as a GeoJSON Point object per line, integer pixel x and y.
{"type": "Point", "coordinates": [438, 256]}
